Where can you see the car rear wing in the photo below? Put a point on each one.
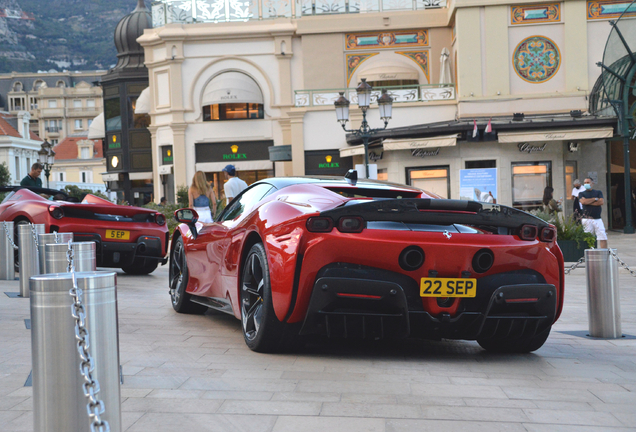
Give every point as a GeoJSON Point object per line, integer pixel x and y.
{"type": "Point", "coordinates": [492, 217]}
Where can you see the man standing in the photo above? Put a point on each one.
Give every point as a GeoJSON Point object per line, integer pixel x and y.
{"type": "Point", "coordinates": [234, 185]}
{"type": "Point", "coordinates": [33, 178]}
{"type": "Point", "coordinates": [576, 190]}
{"type": "Point", "coordinates": [592, 200]}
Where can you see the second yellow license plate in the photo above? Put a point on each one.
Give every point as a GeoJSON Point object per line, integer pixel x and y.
{"type": "Point", "coordinates": [117, 235]}
{"type": "Point", "coordinates": [448, 287]}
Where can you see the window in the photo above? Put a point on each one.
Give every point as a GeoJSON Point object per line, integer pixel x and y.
{"type": "Point", "coordinates": [383, 174]}
{"type": "Point", "coordinates": [85, 153]}
{"type": "Point", "coordinates": [477, 164]}
{"type": "Point", "coordinates": [52, 103]}
{"type": "Point", "coordinates": [393, 82]}
{"type": "Point", "coordinates": [233, 111]}
{"type": "Point", "coordinates": [570, 176]}
{"type": "Point", "coordinates": [529, 179]}
{"type": "Point", "coordinates": [90, 122]}
{"type": "Point", "coordinates": [18, 177]}
{"type": "Point", "coordinates": [54, 142]}
{"type": "Point", "coordinates": [90, 103]}
{"type": "Point", "coordinates": [78, 123]}
{"type": "Point", "coordinates": [112, 114]}
{"type": "Point", "coordinates": [28, 166]}
{"type": "Point", "coordinates": [77, 103]}
{"type": "Point", "coordinates": [61, 176]}
{"type": "Point", "coordinates": [430, 179]}
{"type": "Point", "coordinates": [245, 201]}
{"type": "Point", "coordinates": [33, 102]}
{"type": "Point", "coordinates": [17, 87]}
{"type": "Point", "coordinates": [86, 176]}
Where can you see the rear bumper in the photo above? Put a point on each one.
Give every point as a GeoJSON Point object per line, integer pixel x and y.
{"type": "Point", "coordinates": [118, 254]}
{"type": "Point", "coordinates": [355, 302]}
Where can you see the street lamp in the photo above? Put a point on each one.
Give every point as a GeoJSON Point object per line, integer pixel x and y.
{"type": "Point", "coordinates": [385, 104]}
{"type": "Point", "coordinates": [46, 157]}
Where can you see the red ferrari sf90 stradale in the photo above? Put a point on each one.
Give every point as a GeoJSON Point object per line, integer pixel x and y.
{"type": "Point", "coordinates": [329, 256]}
{"type": "Point", "coordinates": [131, 238]}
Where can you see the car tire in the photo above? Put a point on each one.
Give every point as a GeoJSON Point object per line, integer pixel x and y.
{"type": "Point", "coordinates": [178, 280]}
{"type": "Point", "coordinates": [520, 345]}
{"type": "Point", "coordinates": [141, 266]}
{"type": "Point", "coordinates": [262, 330]}
{"type": "Point", "coordinates": [16, 254]}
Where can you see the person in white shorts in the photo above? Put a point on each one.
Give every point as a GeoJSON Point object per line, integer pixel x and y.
{"type": "Point", "coordinates": [234, 185]}
{"type": "Point", "coordinates": [592, 201]}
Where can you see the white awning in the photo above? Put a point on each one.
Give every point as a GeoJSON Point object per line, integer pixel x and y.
{"type": "Point", "coordinates": [352, 151]}
{"type": "Point", "coordinates": [96, 129]}
{"type": "Point", "coordinates": [142, 105]}
{"type": "Point", "coordinates": [231, 87]}
{"type": "Point", "coordinates": [556, 135]}
{"type": "Point", "coordinates": [240, 165]}
{"type": "Point", "coordinates": [140, 175]}
{"type": "Point", "coordinates": [388, 73]}
{"type": "Point", "coordinates": [407, 144]}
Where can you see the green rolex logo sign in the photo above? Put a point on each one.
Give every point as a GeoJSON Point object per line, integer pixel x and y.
{"type": "Point", "coordinates": [235, 154]}
{"type": "Point", "coordinates": [329, 164]}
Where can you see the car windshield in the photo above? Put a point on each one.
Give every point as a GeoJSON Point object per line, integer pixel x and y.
{"type": "Point", "coordinates": [8, 197]}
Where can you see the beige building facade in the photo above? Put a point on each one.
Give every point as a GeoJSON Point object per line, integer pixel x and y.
{"type": "Point", "coordinates": [448, 67]}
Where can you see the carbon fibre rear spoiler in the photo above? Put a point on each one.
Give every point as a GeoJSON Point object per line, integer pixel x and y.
{"type": "Point", "coordinates": [439, 212]}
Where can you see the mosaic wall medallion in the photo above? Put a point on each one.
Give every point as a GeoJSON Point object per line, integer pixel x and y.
{"type": "Point", "coordinates": [536, 59]}
{"type": "Point", "coordinates": [378, 40]}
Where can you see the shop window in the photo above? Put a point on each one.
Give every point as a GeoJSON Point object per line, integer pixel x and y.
{"type": "Point", "coordinates": [383, 174]}
{"type": "Point", "coordinates": [570, 176]}
{"type": "Point", "coordinates": [529, 179]}
{"type": "Point", "coordinates": [393, 83]}
{"type": "Point", "coordinates": [233, 111]}
{"type": "Point", "coordinates": [431, 179]}
{"type": "Point", "coordinates": [479, 164]}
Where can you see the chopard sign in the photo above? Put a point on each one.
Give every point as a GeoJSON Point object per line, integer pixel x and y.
{"type": "Point", "coordinates": [424, 153]}
{"type": "Point", "coordinates": [528, 148]}
{"type": "Point", "coordinates": [388, 76]}
{"type": "Point", "coordinates": [554, 136]}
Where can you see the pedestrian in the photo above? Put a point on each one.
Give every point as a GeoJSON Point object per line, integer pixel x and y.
{"type": "Point", "coordinates": [576, 205]}
{"type": "Point", "coordinates": [592, 201]}
{"type": "Point", "coordinates": [234, 185]}
{"type": "Point", "coordinates": [200, 196]}
{"type": "Point", "coordinates": [33, 178]}
{"type": "Point", "coordinates": [163, 202]}
{"type": "Point", "coordinates": [550, 205]}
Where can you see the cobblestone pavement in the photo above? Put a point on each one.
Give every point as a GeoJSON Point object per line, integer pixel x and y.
{"type": "Point", "coordinates": [194, 373]}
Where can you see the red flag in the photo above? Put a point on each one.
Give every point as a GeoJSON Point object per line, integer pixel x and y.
{"type": "Point", "coordinates": [475, 130]}
{"type": "Point", "coordinates": [489, 127]}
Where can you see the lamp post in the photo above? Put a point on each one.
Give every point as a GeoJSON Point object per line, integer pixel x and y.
{"type": "Point", "coordinates": [46, 156]}
{"type": "Point", "coordinates": [385, 104]}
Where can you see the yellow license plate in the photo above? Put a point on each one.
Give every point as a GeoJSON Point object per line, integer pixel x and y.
{"type": "Point", "coordinates": [117, 235]}
{"type": "Point", "coordinates": [448, 287]}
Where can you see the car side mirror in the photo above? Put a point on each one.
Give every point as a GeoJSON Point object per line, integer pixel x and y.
{"type": "Point", "coordinates": [189, 217]}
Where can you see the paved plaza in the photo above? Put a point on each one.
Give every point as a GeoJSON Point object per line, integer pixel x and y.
{"type": "Point", "coordinates": [195, 373]}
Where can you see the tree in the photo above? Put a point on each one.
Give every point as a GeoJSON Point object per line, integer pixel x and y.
{"type": "Point", "coordinates": [5, 175]}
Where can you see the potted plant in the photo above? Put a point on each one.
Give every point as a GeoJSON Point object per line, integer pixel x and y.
{"type": "Point", "coordinates": [571, 236]}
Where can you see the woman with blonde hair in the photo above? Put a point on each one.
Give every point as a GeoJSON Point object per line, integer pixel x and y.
{"type": "Point", "coordinates": [200, 195]}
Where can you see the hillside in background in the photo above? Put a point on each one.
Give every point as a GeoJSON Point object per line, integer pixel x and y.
{"type": "Point", "coordinates": [59, 34]}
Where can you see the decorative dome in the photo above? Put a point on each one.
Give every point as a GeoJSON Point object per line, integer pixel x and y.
{"type": "Point", "coordinates": [129, 53]}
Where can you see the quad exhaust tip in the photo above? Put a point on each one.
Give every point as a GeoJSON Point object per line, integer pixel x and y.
{"type": "Point", "coordinates": [411, 258]}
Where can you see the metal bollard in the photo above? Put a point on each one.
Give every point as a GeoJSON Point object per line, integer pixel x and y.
{"type": "Point", "coordinates": [57, 260]}
{"type": "Point", "coordinates": [53, 238]}
{"type": "Point", "coordinates": [59, 403]}
{"type": "Point", "coordinates": [603, 301]}
{"type": "Point", "coordinates": [28, 254]}
{"type": "Point", "coordinates": [7, 267]}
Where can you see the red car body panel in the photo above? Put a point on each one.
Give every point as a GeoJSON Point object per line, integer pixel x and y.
{"type": "Point", "coordinates": [84, 220]}
{"type": "Point", "coordinates": [296, 256]}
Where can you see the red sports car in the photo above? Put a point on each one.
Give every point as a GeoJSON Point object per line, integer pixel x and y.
{"type": "Point", "coordinates": [131, 238]}
{"type": "Point", "coordinates": [340, 258]}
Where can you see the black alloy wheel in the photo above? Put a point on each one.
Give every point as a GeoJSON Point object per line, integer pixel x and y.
{"type": "Point", "coordinates": [262, 330]}
{"type": "Point", "coordinates": [178, 281]}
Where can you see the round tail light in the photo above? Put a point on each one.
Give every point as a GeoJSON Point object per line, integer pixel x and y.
{"type": "Point", "coordinates": [56, 212]}
{"type": "Point", "coordinates": [160, 219]}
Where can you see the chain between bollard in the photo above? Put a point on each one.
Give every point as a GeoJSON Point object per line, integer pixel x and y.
{"type": "Point", "coordinates": [622, 263]}
{"type": "Point", "coordinates": [9, 239]}
{"type": "Point", "coordinates": [35, 238]}
{"type": "Point", "coordinates": [95, 407]}
{"type": "Point", "coordinates": [575, 265]}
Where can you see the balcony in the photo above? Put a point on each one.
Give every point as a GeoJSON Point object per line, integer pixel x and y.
{"type": "Point", "coordinates": [51, 112]}
{"type": "Point", "coordinates": [83, 112]}
{"type": "Point", "coordinates": [200, 11]}
{"type": "Point", "coordinates": [400, 94]}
